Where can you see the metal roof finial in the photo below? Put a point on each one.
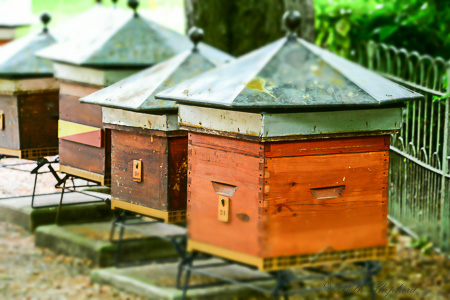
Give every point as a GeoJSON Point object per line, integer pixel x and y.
{"type": "Point", "coordinates": [133, 4]}
{"type": "Point", "coordinates": [45, 18]}
{"type": "Point", "coordinates": [196, 35]}
{"type": "Point", "coordinates": [292, 20]}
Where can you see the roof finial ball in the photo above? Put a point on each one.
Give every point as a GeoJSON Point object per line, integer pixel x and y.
{"type": "Point", "coordinates": [292, 21]}
{"type": "Point", "coordinates": [196, 35]}
{"type": "Point", "coordinates": [45, 18]}
{"type": "Point", "coordinates": [133, 4]}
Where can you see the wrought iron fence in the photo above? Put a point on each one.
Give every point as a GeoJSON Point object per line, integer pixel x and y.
{"type": "Point", "coordinates": [420, 153]}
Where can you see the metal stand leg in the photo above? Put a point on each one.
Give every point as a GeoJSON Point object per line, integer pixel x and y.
{"type": "Point", "coordinates": [34, 190]}
{"type": "Point", "coordinates": [283, 282]}
{"type": "Point", "coordinates": [58, 212]}
{"type": "Point", "coordinates": [371, 269]}
{"type": "Point", "coordinates": [119, 242]}
{"type": "Point", "coordinates": [186, 262]}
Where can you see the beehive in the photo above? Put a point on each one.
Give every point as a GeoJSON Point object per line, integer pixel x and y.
{"type": "Point", "coordinates": [288, 156]}
{"type": "Point", "coordinates": [118, 47]}
{"type": "Point", "coordinates": [28, 98]}
{"type": "Point", "coordinates": [149, 151]}
{"type": "Point", "coordinates": [14, 15]}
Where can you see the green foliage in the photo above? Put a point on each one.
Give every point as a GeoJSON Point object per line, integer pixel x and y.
{"type": "Point", "coordinates": [423, 245]}
{"type": "Point", "coordinates": [423, 26]}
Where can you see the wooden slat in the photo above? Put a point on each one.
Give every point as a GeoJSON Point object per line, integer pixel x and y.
{"type": "Point", "coordinates": [355, 219]}
{"type": "Point", "coordinates": [226, 144]}
{"type": "Point", "coordinates": [207, 165]}
{"type": "Point", "coordinates": [177, 185]}
{"type": "Point", "coordinates": [9, 136]}
{"type": "Point", "coordinates": [83, 157]}
{"type": "Point", "coordinates": [82, 174]}
{"type": "Point", "coordinates": [70, 109]}
{"type": "Point", "coordinates": [38, 115]}
{"type": "Point", "coordinates": [153, 152]}
{"type": "Point", "coordinates": [327, 146]}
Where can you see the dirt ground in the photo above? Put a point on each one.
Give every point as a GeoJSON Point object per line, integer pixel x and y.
{"type": "Point", "coordinates": [15, 183]}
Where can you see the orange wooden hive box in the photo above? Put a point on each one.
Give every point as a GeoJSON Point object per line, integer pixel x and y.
{"type": "Point", "coordinates": [97, 59]}
{"type": "Point", "coordinates": [288, 158]}
{"type": "Point", "coordinates": [149, 151]}
{"type": "Point", "coordinates": [28, 98]}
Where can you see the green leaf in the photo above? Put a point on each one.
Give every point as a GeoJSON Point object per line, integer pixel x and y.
{"type": "Point", "coordinates": [387, 31]}
{"type": "Point", "coordinates": [343, 26]}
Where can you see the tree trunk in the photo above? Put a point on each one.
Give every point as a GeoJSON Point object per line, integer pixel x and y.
{"type": "Point", "coordinates": [239, 26]}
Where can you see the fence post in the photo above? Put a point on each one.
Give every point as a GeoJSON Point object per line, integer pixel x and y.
{"type": "Point", "coordinates": [445, 185]}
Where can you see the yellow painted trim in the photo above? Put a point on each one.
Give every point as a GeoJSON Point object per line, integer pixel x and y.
{"type": "Point", "coordinates": [66, 128]}
{"type": "Point", "coordinates": [225, 253]}
{"type": "Point", "coordinates": [82, 174]}
{"type": "Point", "coordinates": [168, 216]}
{"type": "Point", "coordinates": [278, 263]}
{"type": "Point", "coordinates": [11, 152]}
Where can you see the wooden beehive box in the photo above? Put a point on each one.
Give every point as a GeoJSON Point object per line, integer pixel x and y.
{"type": "Point", "coordinates": [12, 17]}
{"type": "Point", "coordinates": [28, 99]}
{"type": "Point", "coordinates": [149, 151]}
{"type": "Point", "coordinates": [93, 61]}
{"type": "Point", "coordinates": [288, 158]}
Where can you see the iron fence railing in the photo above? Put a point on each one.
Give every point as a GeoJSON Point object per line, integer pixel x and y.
{"type": "Point", "coordinates": [420, 153]}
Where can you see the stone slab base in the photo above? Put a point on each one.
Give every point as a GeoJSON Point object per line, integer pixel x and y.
{"type": "Point", "coordinates": [91, 241]}
{"type": "Point", "coordinates": [18, 211]}
{"type": "Point", "coordinates": [157, 281]}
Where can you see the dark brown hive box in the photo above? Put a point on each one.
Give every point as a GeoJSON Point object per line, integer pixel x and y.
{"type": "Point", "coordinates": [91, 62]}
{"type": "Point", "coordinates": [28, 99]}
{"type": "Point", "coordinates": [288, 157]}
{"type": "Point", "coordinates": [149, 151]}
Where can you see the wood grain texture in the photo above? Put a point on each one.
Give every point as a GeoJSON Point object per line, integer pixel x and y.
{"type": "Point", "coordinates": [70, 109]}
{"type": "Point", "coordinates": [273, 211]}
{"type": "Point", "coordinates": [9, 136]}
{"type": "Point", "coordinates": [356, 219]}
{"type": "Point", "coordinates": [207, 165]}
{"type": "Point", "coordinates": [226, 144]}
{"type": "Point", "coordinates": [83, 157]}
{"type": "Point", "coordinates": [38, 115]}
{"type": "Point", "coordinates": [177, 167]}
{"type": "Point", "coordinates": [327, 146]}
{"type": "Point", "coordinates": [152, 191]}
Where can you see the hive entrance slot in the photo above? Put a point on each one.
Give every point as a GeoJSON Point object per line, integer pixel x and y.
{"type": "Point", "coordinates": [328, 192]}
{"type": "Point", "coordinates": [224, 189]}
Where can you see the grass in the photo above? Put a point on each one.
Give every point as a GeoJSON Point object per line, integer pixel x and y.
{"type": "Point", "coordinates": [166, 12]}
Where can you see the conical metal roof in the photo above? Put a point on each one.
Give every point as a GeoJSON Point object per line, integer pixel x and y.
{"type": "Point", "coordinates": [17, 58]}
{"type": "Point", "coordinates": [120, 41]}
{"type": "Point", "coordinates": [289, 73]}
{"type": "Point", "coordinates": [137, 92]}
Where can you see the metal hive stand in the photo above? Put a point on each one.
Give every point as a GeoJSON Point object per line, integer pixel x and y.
{"type": "Point", "coordinates": [283, 278]}
{"type": "Point", "coordinates": [179, 241]}
{"type": "Point", "coordinates": [36, 171]}
{"type": "Point", "coordinates": [60, 181]}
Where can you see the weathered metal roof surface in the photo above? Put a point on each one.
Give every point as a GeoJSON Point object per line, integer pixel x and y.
{"type": "Point", "coordinates": [118, 41]}
{"type": "Point", "coordinates": [287, 73]}
{"type": "Point", "coordinates": [17, 58]}
{"type": "Point", "coordinates": [137, 92]}
{"type": "Point", "coordinates": [87, 22]}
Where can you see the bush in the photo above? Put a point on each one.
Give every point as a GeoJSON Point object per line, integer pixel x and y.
{"type": "Point", "coordinates": [416, 25]}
